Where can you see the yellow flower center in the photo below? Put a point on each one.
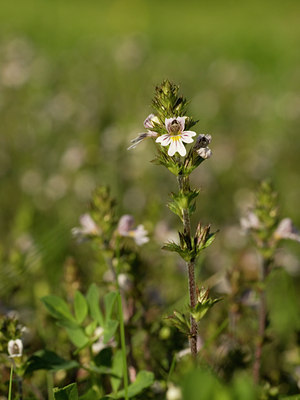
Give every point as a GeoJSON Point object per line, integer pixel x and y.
{"type": "Point", "coordinates": [175, 138]}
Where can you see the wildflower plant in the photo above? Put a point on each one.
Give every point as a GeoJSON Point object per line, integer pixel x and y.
{"type": "Point", "coordinates": [267, 231]}
{"type": "Point", "coordinates": [181, 151]}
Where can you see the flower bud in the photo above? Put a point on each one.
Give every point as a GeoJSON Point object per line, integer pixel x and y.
{"type": "Point", "coordinates": [15, 348]}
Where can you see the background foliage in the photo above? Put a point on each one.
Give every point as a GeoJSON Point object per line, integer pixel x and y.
{"type": "Point", "coordinates": [76, 79]}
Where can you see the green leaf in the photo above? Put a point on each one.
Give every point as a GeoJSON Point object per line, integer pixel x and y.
{"type": "Point", "coordinates": [282, 303]}
{"type": "Point", "coordinates": [77, 337]}
{"type": "Point", "coordinates": [90, 328]}
{"type": "Point", "coordinates": [143, 380]}
{"type": "Point", "coordinates": [117, 369]}
{"type": "Point", "coordinates": [93, 299]}
{"type": "Point", "coordinates": [109, 330]}
{"type": "Point", "coordinates": [48, 360]}
{"type": "Point", "coordinates": [58, 308]}
{"type": "Point", "coordinates": [80, 307]}
{"type": "Point", "coordinates": [102, 370]}
{"type": "Point", "coordinates": [91, 394]}
{"type": "Point", "coordinates": [69, 392]}
{"type": "Point", "coordinates": [109, 301]}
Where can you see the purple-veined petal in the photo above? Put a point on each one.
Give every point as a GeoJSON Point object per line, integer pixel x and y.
{"type": "Point", "coordinates": [186, 138]}
{"type": "Point", "coordinates": [168, 122]}
{"type": "Point", "coordinates": [190, 133]}
{"type": "Point", "coordinates": [164, 140]}
{"type": "Point", "coordinates": [148, 123]}
{"type": "Point", "coordinates": [181, 121]}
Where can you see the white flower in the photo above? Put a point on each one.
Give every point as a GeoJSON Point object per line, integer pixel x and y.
{"type": "Point", "coordinates": [126, 228]}
{"type": "Point", "coordinates": [99, 344]}
{"type": "Point", "coordinates": [250, 221]}
{"type": "Point", "coordinates": [174, 393]}
{"type": "Point", "coordinates": [125, 283]}
{"type": "Point", "coordinates": [176, 136]}
{"type": "Point", "coordinates": [201, 146]}
{"type": "Point", "coordinates": [148, 124]}
{"type": "Point", "coordinates": [140, 235]}
{"type": "Point", "coordinates": [15, 348]}
{"type": "Point", "coordinates": [204, 152]}
{"type": "Point", "coordinates": [286, 230]}
{"type": "Point", "coordinates": [88, 227]}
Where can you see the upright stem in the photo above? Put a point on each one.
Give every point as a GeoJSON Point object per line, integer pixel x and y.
{"type": "Point", "coordinates": [184, 186]}
{"type": "Point", "coordinates": [10, 381]}
{"type": "Point", "coordinates": [122, 327]}
{"type": "Point", "coordinates": [262, 316]}
{"type": "Point", "coordinates": [20, 387]}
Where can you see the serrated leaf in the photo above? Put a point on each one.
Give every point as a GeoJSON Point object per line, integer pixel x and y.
{"type": "Point", "coordinates": [93, 300]}
{"type": "Point", "coordinates": [58, 308]}
{"type": "Point", "coordinates": [69, 392]}
{"type": "Point", "coordinates": [172, 246]}
{"type": "Point", "coordinates": [48, 360]}
{"type": "Point", "coordinates": [210, 239]}
{"type": "Point", "coordinates": [109, 302]}
{"type": "Point", "coordinates": [144, 379]}
{"type": "Point", "coordinates": [80, 307]}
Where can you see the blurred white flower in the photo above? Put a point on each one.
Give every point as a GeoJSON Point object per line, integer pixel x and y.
{"type": "Point", "coordinates": [250, 221]}
{"type": "Point", "coordinates": [15, 348]}
{"type": "Point", "coordinates": [286, 230]}
{"type": "Point", "coordinates": [88, 227]}
{"type": "Point", "coordinates": [99, 344]}
{"type": "Point", "coordinates": [126, 229]}
{"type": "Point", "coordinates": [173, 393]}
{"type": "Point", "coordinates": [176, 136]}
{"type": "Point", "coordinates": [148, 124]}
{"type": "Point", "coordinates": [125, 283]}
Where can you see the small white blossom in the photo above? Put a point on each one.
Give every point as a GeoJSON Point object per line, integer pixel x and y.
{"type": "Point", "coordinates": [201, 146]}
{"type": "Point", "coordinates": [176, 136]}
{"type": "Point", "coordinates": [286, 230]}
{"type": "Point", "coordinates": [148, 124]}
{"type": "Point", "coordinates": [126, 229]}
{"type": "Point", "coordinates": [99, 344]}
{"type": "Point", "coordinates": [125, 283]}
{"type": "Point", "coordinates": [251, 221]}
{"type": "Point", "coordinates": [173, 393]}
{"type": "Point", "coordinates": [204, 152]}
{"type": "Point", "coordinates": [88, 227]}
{"type": "Point", "coordinates": [15, 348]}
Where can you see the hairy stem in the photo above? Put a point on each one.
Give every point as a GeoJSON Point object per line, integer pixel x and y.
{"type": "Point", "coordinates": [262, 316]}
{"type": "Point", "coordinates": [184, 186]}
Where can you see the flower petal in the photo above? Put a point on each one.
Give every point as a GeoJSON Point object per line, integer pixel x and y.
{"type": "Point", "coordinates": [164, 140]}
{"type": "Point", "coordinates": [148, 123]}
{"type": "Point", "coordinates": [186, 138]}
{"type": "Point", "coordinates": [168, 123]}
{"type": "Point", "coordinates": [181, 121]}
{"type": "Point", "coordinates": [190, 133]}
{"type": "Point", "coordinates": [180, 148]}
{"type": "Point", "coordinates": [172, 149]}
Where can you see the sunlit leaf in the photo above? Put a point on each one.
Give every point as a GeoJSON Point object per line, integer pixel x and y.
{"type": "Point", "coordinates": [69, 392]}
{"type": "Point", "coordinates": [80, 307]}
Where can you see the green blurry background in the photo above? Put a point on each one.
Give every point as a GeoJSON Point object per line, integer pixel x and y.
{"type": "Point", "coordinates": [76, 80]}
